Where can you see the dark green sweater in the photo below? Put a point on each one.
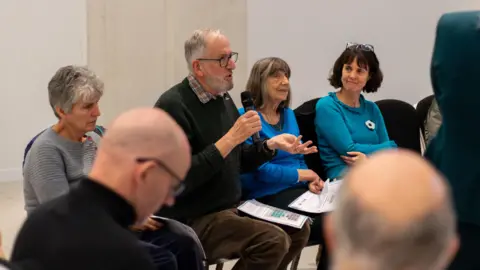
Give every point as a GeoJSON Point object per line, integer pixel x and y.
{"type": "Point", "coordinates": [213, 183]}
{"type": "Point", "coordinates": [455, 71]}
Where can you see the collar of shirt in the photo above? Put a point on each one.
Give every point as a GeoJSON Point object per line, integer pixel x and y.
{"type": "Point", "coordinates": [201, 93]}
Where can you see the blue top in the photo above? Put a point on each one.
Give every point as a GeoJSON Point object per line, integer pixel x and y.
{"type": "Point", "coordinates": [279, 173]}
{"type": "Point", "coordinates": [454, 74]}
{"type": "Point", "coordinates": [341, 129]}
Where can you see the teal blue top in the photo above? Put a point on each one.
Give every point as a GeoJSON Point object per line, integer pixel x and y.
{"type": "Point", "coordinates": [341, 129]}
{"type": "Point", "coordinates": [455, 69]}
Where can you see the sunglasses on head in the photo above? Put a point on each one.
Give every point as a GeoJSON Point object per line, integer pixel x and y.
{"type": "Point", "coordinates": [358, 46]}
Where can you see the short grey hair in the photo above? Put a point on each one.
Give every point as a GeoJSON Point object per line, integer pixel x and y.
{"type": "Point", "coordinates": [72, 84]}
{"type": "Point", "coordinates": [372, 242]}
{"type": "Point", "coordinates": [196, 44]}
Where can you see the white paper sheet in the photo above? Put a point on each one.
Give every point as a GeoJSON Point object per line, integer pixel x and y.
{"type": "Point", "coordinates": [318, 203]}
{"type": "Point", "coordinates": [273, 214]}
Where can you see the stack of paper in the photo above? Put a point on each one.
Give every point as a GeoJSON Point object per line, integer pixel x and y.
{"type": "Point", "coordinates": [318, 203]}
{"type": "Point", "coordinates": [273, 214]}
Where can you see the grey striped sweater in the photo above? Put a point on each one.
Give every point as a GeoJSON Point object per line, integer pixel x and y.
{"type": "Point", "coordinates": [54, 164]}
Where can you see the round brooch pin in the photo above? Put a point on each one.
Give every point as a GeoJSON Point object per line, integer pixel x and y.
{"type": "Point", "coordinates": [370, 125]}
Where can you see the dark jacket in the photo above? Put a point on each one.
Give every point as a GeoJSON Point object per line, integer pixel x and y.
{"type": "Point", "coordinates": [454, 72]}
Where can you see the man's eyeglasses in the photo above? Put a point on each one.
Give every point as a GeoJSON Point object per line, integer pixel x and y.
{"type": "Point", "coordinates": [224, 60]}
{"type": "Point", "coordinates": [364, 47]}
{"type": "Point", "coordinates": [179, 187]}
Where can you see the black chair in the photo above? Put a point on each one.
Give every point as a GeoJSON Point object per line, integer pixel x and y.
{"type": "Point", "coordinates": [402, 123]}
{"type": "Point", "coordinates": [305, 115]}
{"type": "Point", "coordinates": [422, 111]}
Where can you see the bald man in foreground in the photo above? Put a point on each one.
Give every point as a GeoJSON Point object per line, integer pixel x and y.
{"type": "Point", "coordinates": [393, 213]}
{"type": "Point", "coordinates": [139, 167]}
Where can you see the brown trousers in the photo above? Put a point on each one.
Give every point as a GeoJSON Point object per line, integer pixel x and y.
{"type": "Point", "coordinates": [258, 244]}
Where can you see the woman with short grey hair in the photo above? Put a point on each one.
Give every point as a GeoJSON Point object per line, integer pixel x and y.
{"type": "Point", "coordinates": [63, 153]}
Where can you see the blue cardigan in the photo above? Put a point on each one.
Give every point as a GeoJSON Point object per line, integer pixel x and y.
{"type": "Point", "coordinates": [281, 172]}
{"type": "Point", "coordinates": [341, 129]}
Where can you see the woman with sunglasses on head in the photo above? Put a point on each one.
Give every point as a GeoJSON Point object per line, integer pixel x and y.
{"type": "Point", "coordinates": [348, 126]}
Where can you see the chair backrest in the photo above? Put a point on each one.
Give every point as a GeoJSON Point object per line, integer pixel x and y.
{"type": "Point", "coordinates": [422, 111]}
{"type": "Point", "coordinates": [402, 123]}
{"type": "Point", "coordinates": [100, 130]}
{"type": "Point", "coordinates": [305, 115]}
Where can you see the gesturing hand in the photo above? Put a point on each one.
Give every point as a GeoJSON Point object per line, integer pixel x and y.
{"type": "Point", "coordinates": [354, 157]}
{"type": "Point", "coordinates": [149, 224]}
{"type": "Point", "coordinates": [245, 126]}
{"type": "Point", "coordinates": [291, 144]}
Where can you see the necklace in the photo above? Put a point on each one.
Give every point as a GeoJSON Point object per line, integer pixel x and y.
{"type": "Point", "coordinates": [272, 120]}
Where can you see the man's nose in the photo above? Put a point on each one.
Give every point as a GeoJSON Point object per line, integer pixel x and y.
{"type": "Point", "coordinates": [231, 64]}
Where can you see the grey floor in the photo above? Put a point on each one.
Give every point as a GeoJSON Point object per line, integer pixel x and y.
{"type": "Point", "coordinates": [12, 216]}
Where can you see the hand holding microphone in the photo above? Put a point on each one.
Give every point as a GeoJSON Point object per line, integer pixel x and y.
{"type": "Point", "coordinates": [246, 126]}
{"type": "Point", "coordinates": [249, 124]}
{"type": "Point", "coordinates": [247, 103]}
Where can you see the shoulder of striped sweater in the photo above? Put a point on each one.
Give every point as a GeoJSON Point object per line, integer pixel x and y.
{"type": "Point", "coordinates": [47, 137]}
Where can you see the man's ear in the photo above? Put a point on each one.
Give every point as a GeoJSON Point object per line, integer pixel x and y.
{"type": "Point", "coordinates": [141, 171]}
{"type": "Point", "coordinates": [453, 249]}
{"type": "Point", "coordinates": [197, 68]}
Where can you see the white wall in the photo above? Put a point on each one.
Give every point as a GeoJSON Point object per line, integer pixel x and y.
{"type": "Point", "coordinates": [37, 37]}
{"type": "Point", "coordinates": [137, 49]}
{"type": "Point", "coordinates": [311, 34]}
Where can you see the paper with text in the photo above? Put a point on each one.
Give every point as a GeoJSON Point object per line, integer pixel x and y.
{"type": "Point", "coordinates": [273, 214]}
{"type": "Point", "coordinates": [318, 203]}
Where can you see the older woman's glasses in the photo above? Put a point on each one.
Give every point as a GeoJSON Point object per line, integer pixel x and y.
{"type": "Point", "coordinates": [224, 60]}
{"type": "Point", "coordinates": [179, 186]}
{"type": "Point", "coordinates": [363, 47]}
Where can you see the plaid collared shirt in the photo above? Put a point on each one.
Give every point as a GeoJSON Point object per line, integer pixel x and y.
{"type": "Point", "coordinates": [202, 95]}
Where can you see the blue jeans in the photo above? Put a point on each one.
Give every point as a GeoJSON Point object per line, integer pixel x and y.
{"type": "Point", "coordinates": [172, 251]}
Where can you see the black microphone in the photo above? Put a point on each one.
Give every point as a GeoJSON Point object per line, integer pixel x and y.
{"type": "Point", "coordinates": [247, 103]}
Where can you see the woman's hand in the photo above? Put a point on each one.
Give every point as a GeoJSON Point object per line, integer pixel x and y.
{"type": "Point", "coordinates": [316, 186]}
{"type": "Point", "coordinates": [291, 144]}
{"type": "Point", "coordinates": [353, 158]}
